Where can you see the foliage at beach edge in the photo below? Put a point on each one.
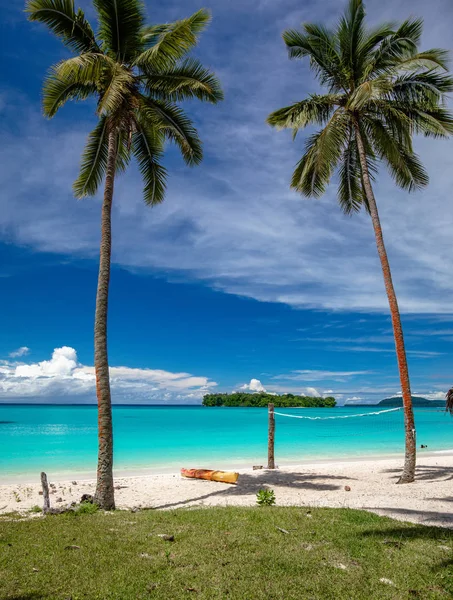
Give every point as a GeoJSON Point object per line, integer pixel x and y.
{"type": "Point", "coordinates": [261, 399]}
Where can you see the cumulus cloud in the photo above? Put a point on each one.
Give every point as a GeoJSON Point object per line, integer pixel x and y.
{"type": "Point", "coordinates": [311, 391]}
{"type": "Point", "coordinates": [64, 376]}
{"type": "Point", "coordinates": [22, 351]}
{"type": "Point", "coordinates": [435, 395]}
{"type": "Point", "coordinates": [255, 385]}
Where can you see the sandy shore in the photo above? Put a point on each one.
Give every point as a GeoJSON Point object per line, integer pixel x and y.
{"type": "Point", "coordinates": [429, 500]}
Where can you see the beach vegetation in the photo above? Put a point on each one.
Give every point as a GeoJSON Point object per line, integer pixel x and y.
{"type": "Point", "coordinates": [380, 91]}
{"type": "Point", "coordinates": [262, 399]}
{"type": "Point", "coordinates": [225, 552]}
{"type": "Point", "coordinates": [84, 508]}
{"type": "Point", "coordinates": [265, 497]}
{"type": "Point", "coordinates": [137, 74]}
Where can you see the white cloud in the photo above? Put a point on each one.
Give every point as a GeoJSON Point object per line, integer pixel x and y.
{"type": "Point", "coordinates": [354, 398]}
{"type": "Point", "coordinates": [434, 395]}
{"type": "Point", "coordinates": [64, 376]}
{"type": "Point", "coordinates": [255, 385]}
{"type": "Point", "coordinates": [311, 391]}
{"type": "Point", "coordinates": [319, 375]}
{"type": "Point", "coordinates": [22, 351]}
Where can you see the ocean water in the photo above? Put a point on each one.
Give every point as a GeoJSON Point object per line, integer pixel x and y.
{"type": "Point", "coordinates": [61, 440]}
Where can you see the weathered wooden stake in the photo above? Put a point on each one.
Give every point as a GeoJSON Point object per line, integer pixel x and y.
{"type": "Point", "coordinates": [271, 438]}
{"type": "Point", "coordinates": [45, 493]}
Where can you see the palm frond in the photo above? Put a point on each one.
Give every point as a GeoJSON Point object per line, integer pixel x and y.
{"type": "Point", "coordinates": [429, 59]}
{"type": "Point", "coordinates": [116, 89]}
{"type": "Point", "coordinates": [414, 117]}
{"type": "Point", "coordinates": [319, 46]}
{"type": "Point", "coordinates": [120, 26]}
{"type": "Point", "coordinates": [404, 165]}
{"type": "Point", "coordinates": [322, 153]}
{"type": "Point", "coordinates": [57, 91]}
{"type": "Point", "coordinates": [351, 195]}
{"type": "Point", "coordinates": [147, 146]}
{"type": "Point", "coordinates": [372, 39]}
{"type": "Point", "coordinates": [368, 91]}
{"type": "Point", "coordinates": [314, 110]}
{"type": "Point", "coordinates": [74, 79]}
{"type": "Point", "coordinates": [401, 45]}
{"type": "Point", "coordinates": [351, 35]}
{"type": "Point", "coordinates": [171, 121]}
{"type": "Point", "coordinates": [94, 161]}
{"type": "Point", "coordinates": [171, 42]}
{"type": "Point", "coordinates": [123, 149]}
{"type": "Point", "coordinates": [427, 86]}
{"type": "Point", "coordinates": [61, 18]}
{"type": "Point", "coordinates": [449, 401]}
{"type": "Point", "coordinates": [188, 79]}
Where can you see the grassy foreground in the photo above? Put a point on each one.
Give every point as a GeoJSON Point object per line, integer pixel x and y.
{"type": "Point", "coordinates": [236, 553]}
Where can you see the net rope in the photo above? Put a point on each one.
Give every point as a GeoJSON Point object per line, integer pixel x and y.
{"type": "Point", "coordinates": [380, 412]}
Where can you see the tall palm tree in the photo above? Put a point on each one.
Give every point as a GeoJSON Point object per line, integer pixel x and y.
{"type": "Point", "coordinates": [137, 74]}
{"type": "Point", "coordinates": [380, 91]}
{"type": "Point", "coordinates": [449, 401]}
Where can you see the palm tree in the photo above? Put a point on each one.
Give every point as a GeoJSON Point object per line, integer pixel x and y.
{"type": "Point", "coordinates": [449, 401]}
{"type": "Point", "coordinates": [137, 74]}
{"type": "Point", "coordinates": [380, 91]}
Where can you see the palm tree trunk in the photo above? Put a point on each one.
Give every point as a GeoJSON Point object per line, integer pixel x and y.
{"type": "Point", "coordinates": [408, 473]}
{"type": "Point", "coordinates": [104, 495]}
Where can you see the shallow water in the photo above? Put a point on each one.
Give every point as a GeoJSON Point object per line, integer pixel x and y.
{"type": "Point", "coordinates": [62, 439]}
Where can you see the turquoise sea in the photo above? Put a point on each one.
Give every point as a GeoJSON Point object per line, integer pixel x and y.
{"type": "Point", "coordinates": [61, 440]}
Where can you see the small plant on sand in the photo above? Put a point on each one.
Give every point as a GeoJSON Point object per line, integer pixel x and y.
{"type": "Point", "coordinates": [265, 498]}
{"type": "Point", "coordinates": [85, 508]}
{"type": "Point", "coordinates": [35, 509]}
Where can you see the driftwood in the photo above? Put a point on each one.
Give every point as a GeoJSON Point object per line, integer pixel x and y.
{"type": "Point", "coordinates": [45, 493]}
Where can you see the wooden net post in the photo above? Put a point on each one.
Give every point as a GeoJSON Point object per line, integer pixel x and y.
{"type": "Point", "coordinates": [45, 493]}
{"type": "Point", "coordinates": [271, 438]}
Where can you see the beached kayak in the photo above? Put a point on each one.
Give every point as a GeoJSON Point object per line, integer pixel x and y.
{"type": "Point", "coordinates": [223, 476]}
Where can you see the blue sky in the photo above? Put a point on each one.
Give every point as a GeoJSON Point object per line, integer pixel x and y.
{"type": "Point", "coordinates": [234, 277]}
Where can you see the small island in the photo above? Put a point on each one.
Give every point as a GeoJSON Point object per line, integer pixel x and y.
{"type": "Point", "coordinates": [262, 399]}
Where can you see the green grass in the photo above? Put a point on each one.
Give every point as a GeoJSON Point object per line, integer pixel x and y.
{"type": "Point", "coordinates": [224, 553]}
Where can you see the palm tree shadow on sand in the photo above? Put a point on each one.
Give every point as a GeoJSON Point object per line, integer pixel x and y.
{"type": "Point", "coordinates": [249, 485]}
{"type": "Point", "coordinates": [427, 473]}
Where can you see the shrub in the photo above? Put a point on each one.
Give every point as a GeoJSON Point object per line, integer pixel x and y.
{"type": "Point", "coordinates": [265, 498]}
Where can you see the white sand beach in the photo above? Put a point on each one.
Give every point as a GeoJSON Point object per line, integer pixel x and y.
{"type": "Point", "coordinates": [429, 500]}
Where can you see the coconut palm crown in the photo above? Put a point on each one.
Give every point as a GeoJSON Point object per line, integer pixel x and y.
{"type": "Point", "coordinates": [137, 73]}
{"type": "Point", "coordinates": [381, 90]}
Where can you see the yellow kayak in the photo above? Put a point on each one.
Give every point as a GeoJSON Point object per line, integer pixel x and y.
{"type": "Point", "coordinates": [223, 476]}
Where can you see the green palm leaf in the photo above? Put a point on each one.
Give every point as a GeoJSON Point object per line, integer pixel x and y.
{"type": "Point", "coordinates": [403, 163]}
{"type": "Point", "coordinates": [57, 91]}
{"type": "Point", "coordinates": [172, 122]}
{"type": "Point", "coordinates": [60, 17]}
{"type": "Point", "coordinates": [322, 153]}
{"type": "Point", "coordinates": [120, 25]}
{"type": "Point", "coordinates": [147, 146]}
{"type": "Point", "coordinates": [94, 161]}
{"type": "Point", "coordinates": [188, 79]}
{"type": "Point", "coordinates": [116, 90]}
{"type": "Point", "coordinates": [316, 110]}
{"type": "Point", "coordinates": [172, 42]}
